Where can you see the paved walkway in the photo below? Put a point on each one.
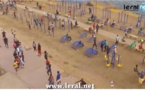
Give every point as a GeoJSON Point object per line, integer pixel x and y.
{"type": "Point", "coordinates": [83, 25]}
{"type": "Point", "coordinates": [34, 73]}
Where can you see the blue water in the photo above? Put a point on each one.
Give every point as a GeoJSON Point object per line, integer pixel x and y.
{"type": "Point", "coordinates": [118, 3]}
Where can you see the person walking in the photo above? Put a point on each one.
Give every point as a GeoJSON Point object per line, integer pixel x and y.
{"type": "Point", "coordinates": [15, 64]}
{"type": "Point", "coordinates": [58, 77]}
{"type": "Point", "coordinates": [15, 54]}
{"type": "Point", "coordinates": [52, 28]}
{"type": "Point", "coordinates": [49, 69]}
{"type": "Point", "coordinates": [117, 40]}
{"type": "Point", "coordinates": [3, 34]}
{"type": "Point", "coordinates": [45, 55]}
{"type": "Point", "coordinates": [136, 69]}
{"type": "Point", "coordinates": [6, 42]}
{"type": "Point", "coordinates": [34, 46]}
{"type": "Point", "coordinates": [51, 80]}
{"type": "Point", "coordinates": [39, 49]}
{"type": "Point", "coordinates": [94, 44]}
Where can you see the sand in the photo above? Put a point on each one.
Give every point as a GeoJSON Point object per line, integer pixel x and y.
{"type": "Point", "coordinates": [74, 63]}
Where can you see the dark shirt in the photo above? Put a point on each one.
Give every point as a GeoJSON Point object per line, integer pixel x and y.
{"type": "Point", "coordinates": [4, 34]}
{"type": "Point", "coordinates": [6, 40]}
{"type": "Point", "coordinates": [39, 47]}
{"type": "Point", "coordinates": [45, 56]}
{"type": "Point", "coordinates": [14, 54]}
{"type": "Point", "coordinates": [95, 41]}
{"type": "Point", "coordinates": [83, 82]}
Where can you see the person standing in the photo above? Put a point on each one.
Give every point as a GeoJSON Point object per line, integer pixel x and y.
{"type": "Point", "coordinates": [94, 44]}
{"type": "Point", "coordinates": [39, 49]}
{"type": "Point", "coordinates": [6, 42]}
{"type": "Point", "coordinates": [29, 25]}
{"type": "Point", "coordinates": [49, 30]}
{"type": "Point", "coordinates": [94, 25]}
{"type": "Point", "coordinates": [117, 40]}
{"type": "Point", "coordinates": [4, 34]}
{"type": "Point", "coordinates": [22, 54]}
{"type": "Point", "coordinates": [108, 51]}
{"type": "Point", "coordinates": [102, 46]}
{"type": "Point", "coordinates": [13, 32]}
{"type": "Point", "coordinates": [90, 10]}
{"type": "Point", "coordinates": [71, 24]}
{"type": "Point", "coordinates": [21, 61]}
{"type": "Point", "coordinates": [52, 27]}
{"type": "Point", "coordinates": [97, 28]}
{"type": "Point", "coordinates": [106, 44]}
{"type": "Point", "coordinates": [34, 46]}
{"type": "Point", "coordinates": [58, 77]}
{"type": "Point", "coordinates": [15, 14]}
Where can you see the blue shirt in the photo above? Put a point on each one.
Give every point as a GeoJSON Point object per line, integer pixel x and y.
{"type": "Point", "coordinates": [58, 76]}
{"type": "Point", "coordinates": [106, 43]}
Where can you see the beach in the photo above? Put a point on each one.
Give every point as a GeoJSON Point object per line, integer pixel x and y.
{"type": "Point", "coordinates": [74, 62]}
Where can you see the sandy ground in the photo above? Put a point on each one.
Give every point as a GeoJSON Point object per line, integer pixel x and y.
{"type": "Point", "coordinates": [33, 75]}
{"type": "Point", "coordinates": [74, 63]}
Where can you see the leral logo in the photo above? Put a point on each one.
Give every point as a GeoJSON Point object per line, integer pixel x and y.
{"type": "Point", "coordinates": [142, 7]}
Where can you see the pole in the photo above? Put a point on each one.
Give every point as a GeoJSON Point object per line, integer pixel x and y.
{"type": "Point", "coordinates": [118, 17]}
{"type": "Point", "coordinates": [124, 18]}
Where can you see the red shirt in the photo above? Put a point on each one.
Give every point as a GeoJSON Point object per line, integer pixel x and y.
{"type": "Point", "coordinates": [140, 46]}
{"type": "Point", "coordinates": [70, 12]}
{"type": "Point", "coordinates": [47, 62]}
{"type": "Point", "coordinates": [94, 25]}
{"type": "Point", "coordinates": [42, 19]}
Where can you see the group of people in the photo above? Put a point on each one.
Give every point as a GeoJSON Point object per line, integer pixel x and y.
{"type": "Point", "coordinates": [49, 71]}
{"type": "Point", "coordinates": [94, 28]}
{"type": "Point", "coordinates": [93, 18]}
{"type": "Point", "coordinates": [18, 55]}
{"type": "Point", "coordinates": [39, 21]}
{"type": "Point", "coordinates": [37, 48]}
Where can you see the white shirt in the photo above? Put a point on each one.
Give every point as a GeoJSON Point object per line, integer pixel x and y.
{"type": "Point", "coordinates": [117, 38]}
{"type": "Point", "coordinates": [53, 26]}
